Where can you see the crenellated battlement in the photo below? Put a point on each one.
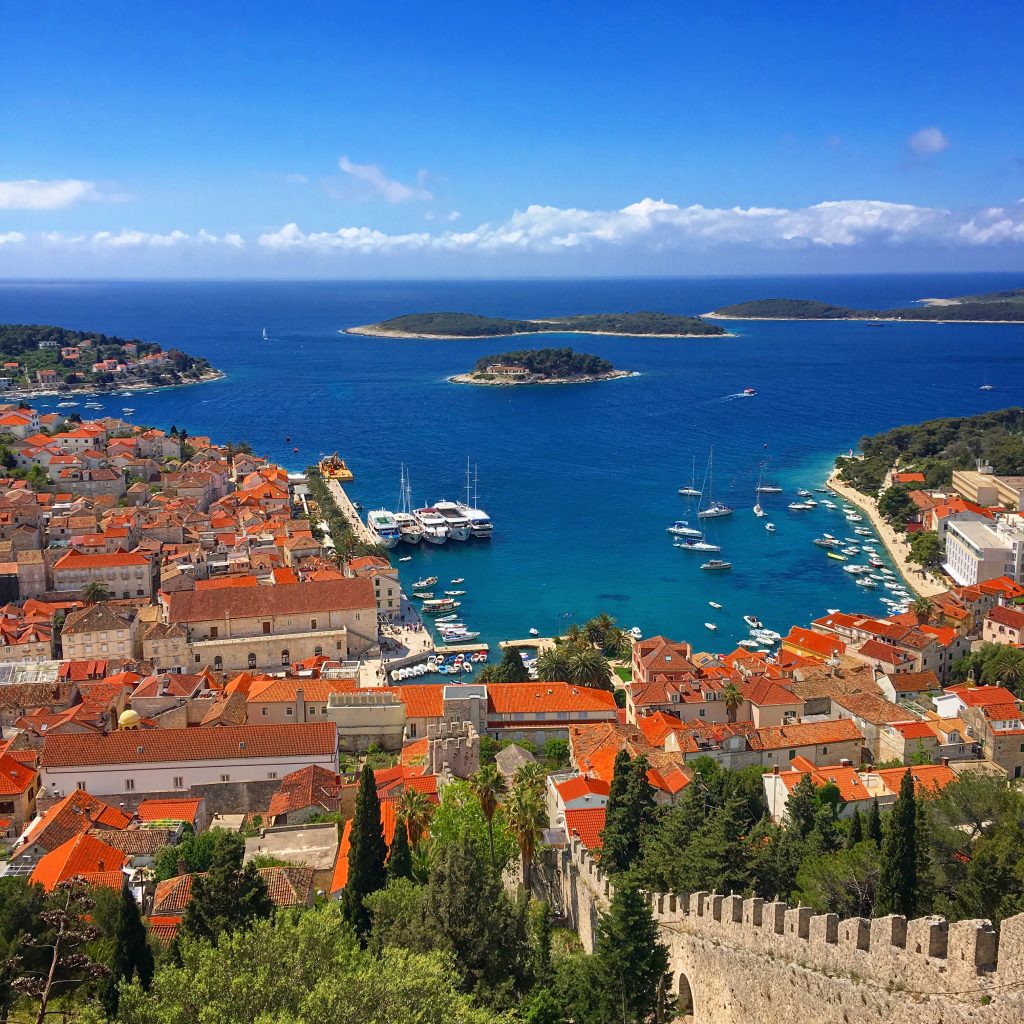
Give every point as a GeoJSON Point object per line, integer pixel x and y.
{"type": "Point", "coordinates": [924, 956]}
{"type": "Point", "coordinates": [453, 748]}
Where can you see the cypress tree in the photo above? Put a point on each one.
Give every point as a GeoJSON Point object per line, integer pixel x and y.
{"type": "Point", "coordinates": [660, 869]}
{"type": "Point", "coordinates": [633, 962]}
{"type": "Point", "coordinates": [229, 897]}
{"type": "Point", "coordinates": [856, 833]}
{"type": "Point", "coordinates": [400, 859]}
{"type": "Point", "coordinates": [367, 854]}
{"type": "Point", "coordinates": [629, 815]}
{"type": "Point", "coordinates": [802, 807]}
{"type": "Point", "coordinates": [132, 956]}
{"type": "Point", "coordinates": [898, 884]}
{"type": "Point", "coordinates": [875, 824]}
{"type": "Point", "coordinates": [541, 935]}
{"type": "Point", "coordinates": [717, 858]}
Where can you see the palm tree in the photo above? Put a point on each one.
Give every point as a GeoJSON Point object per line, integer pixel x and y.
{"type": "Point", "coordinates": [618, 643]}
{"type": "Point", "coordinates": [93, 593]}
{"type": "Point", "coordinates": [574, 636]}
{"type": "Point", "coordinates": [526, 817]}
{"type": "Point", "coordinates": [553, 665]}
{"type": "Point", "coordinates": [531, 776]}
{"type": "Point", "coordinates": [415, 811]}
{"type": "Point", "coordinates": [922, 608]}
{"type": "Point", "coordinates": [598, 628]}
{"type": "Point", "coordinates": [488, 786]}
{"type": "Point", "coordinates": [730, 694]}
{"type": "Point", "coordinates": [589, 667]}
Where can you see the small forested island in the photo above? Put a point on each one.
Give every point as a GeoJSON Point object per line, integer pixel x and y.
{"type": "Point", "coordinates": [540, 366]}
{"type": "Point", "coordinates": [39, 358]}
{"type": "Point", "coordinates": [938, 447]}
{"type": "Point", "coordinates": [470, 325]}
{"type": "Point", "coordinates": [991, 307]}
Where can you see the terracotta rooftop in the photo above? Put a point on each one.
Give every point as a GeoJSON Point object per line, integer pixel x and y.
{"type": "Point", "coordinates": [251, 602]}
{"type": "Point", "coordinates": [588, 824]}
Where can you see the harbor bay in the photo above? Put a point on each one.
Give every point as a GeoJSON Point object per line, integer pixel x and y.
{"type": "Point", "coordinates": [581, 482]}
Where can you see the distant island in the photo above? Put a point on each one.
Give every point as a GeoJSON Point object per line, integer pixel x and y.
{"type": "Point", "coordinates": [40, 358]}
{"type": "Point", "coordinates": [991, 307]}
{"type": "Point", "coordinates": [540, 366]}
{"type": "Point", "coordinates": [454, 326]}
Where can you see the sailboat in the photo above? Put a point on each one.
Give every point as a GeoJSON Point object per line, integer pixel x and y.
{"type": "Point", "coordinates": [408, 525]}
{"type": "Point", "coordinates": [265, 338]}
{"type": "Point", "coordinates": [986, 386]}
{"type": "Point", "coordinates": [714, 509]}
{"type": "Point", "coordinates": [758, 511]}
{"type": "Point", "coordinates": [691, 491]}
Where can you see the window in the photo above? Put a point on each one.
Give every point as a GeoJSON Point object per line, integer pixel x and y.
{"type": "Point", "coordinates": [218, 664]}
{"type": "Point", "coordinates": [824, 750]}
{"type": "Point", "coordinates": [312, 623]}
{"type": "Point", "coordinates": [225, 778]}
{"type": "Point", "coordinates": [412, 729]}
{"type": "Point", "coordinates": [80, 784]}
{"type": "Point", "coordinates": [198, 659]}
{"type": "Point", "coordinates": [271, 775]}
{"type": "Point", "coordinates": [289, 711]}
{"type": "Point", "coordinates": [213, 632]}
{"type": "Point", "coordinates": [251, 660]}
{"type": "Point", "coordinates": [312, 711]}
{"type": "Point", "coordinates": [284, 657]}
{"type": "Point", "coordinates": [318, 652]}
{"type": "Point", "coordinates": [129, 784]}
{"type": "Point", "coordinates": [179, 782]}
{"type": "Point", "coordinates": [264, 710]}
{"type": "Point", "coordinates": [792, 754]}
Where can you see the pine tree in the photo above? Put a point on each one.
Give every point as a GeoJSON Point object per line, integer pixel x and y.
{"type": "Point", "coordinates": [629, 815]}
{"type": "Point", "coordinates": [898, 884]}
{"type": "Point", "coordinates": [367, 854]}
{"type": "Point", "coordinates": [400, 858]}
{"type": "Point", "coordinates": [229, 897]}
{"type": "Point", "coordinates": [660, 868]}
{"type": "Point", "coordinates": [717, 858]}
{"type": "Point", "coordinates": [875, 824]}
{"type": "Point", "coordinates": [541, 935]}
{"type": "Point", "coordinates": [802, 807]}
{"type": "Point", "coordinates": [633, 962]}
{"type": "Point", "coordinates": [132, 956]}
{"type": "Point", "coordinates": [856, 833]}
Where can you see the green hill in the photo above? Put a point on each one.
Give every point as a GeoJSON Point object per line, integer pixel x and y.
{"type": "Point", "coordinates": [549, 362]}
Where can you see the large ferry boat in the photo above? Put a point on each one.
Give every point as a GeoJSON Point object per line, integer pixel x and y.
{"type": "Point", "coordinates": [458, 523]}
{"type": "Point", "coordinates": [384, 526]}
{"type": "Point", "coordinates": [433, 525]}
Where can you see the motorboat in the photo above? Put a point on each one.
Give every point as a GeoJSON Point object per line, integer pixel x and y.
{"type": "Point", "coordinates": [753, 621]}
{"type": "Point", "coordinates": [711, 626]}
{"type": "Point", "coordinates": [770, 527]}
{"type": "Point", "coordinates": [636, 632]}
{"type": "Point", "coordinates": [810, 503]}
{"type": "Point", "coordinates": [748, 392]}
{"type": "Point", "coordinates": [866, 581]}
{"type": "Point", "coordinates": [853, 517]}
{"type": "Point", "coordinates": [769, 488]}
{"type": "Point", "coordinates": [534, 631]}
{"type": "Point", "coordinates": [826, 542]}
{"type": "Point", "coordinates": [385, 528]}
{"type": "Point", "coordinates": [682, 528]}
{"type": "Point", "coordinates": [832, 611]}
{"type": "Point", "coordinates": [433, 525]}
{"type": "Point", "coordinates": [749, 644]}
{"type": "Point", "coordinates": [716, 564]}
{"type": "Point", "coordinates": [714, 604]}
{"type": "Point", "coordinates": [863, 531]}
{"type": "Point", "coordinates": [448, 618]}
{"type": "Point", "coordinates": [803, 493]}
{"type": "Point", "coordinates": [406, 558]}
{"type": "Point", "coordinates": [697, 545]}
{"type": "Point", "coordinates": [66, 405]}
{"type": "Point", "coordinates": [837, 556]}
{"type": "Point", "coordinates": [409, 529]}
{"type": "Point", "coordinates": [454, 593]}
{"type": "Point", "coordinates": [459, 525]}
{"type": "Point", "coordinates": [758, 511]}
{"type": "Point", "coordinates": [438, 605]}
{"type": "Point", "coordinates": [798, 506]}
{"type": "Point", "coordinates": [458, 579]}
{"type": "Point", "coordinates": [427, 581]}
{"type": "Point", "coordinates": [830, 505]}
{"type": "Point", "coordinates": [423, 595]}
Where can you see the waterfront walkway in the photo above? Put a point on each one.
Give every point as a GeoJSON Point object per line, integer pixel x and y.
{"type": "Point", "coordinates": [348, 510]}
{"type": "Point", "coordinates": [542, 643]}
{"type": "Point", "coordinates": [922, 583]}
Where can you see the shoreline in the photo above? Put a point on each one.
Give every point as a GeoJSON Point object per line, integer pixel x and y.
{"type": "Point", "coordinates": [367, 331]}
{"type": "Point", "coordinates": [469, 378]}
{"type": "Point", "coordinates": [110, 390]}
{"type": "Point", "coordinates": [850, 320]}
{"type": "Point", "coordinates": [916, 578]}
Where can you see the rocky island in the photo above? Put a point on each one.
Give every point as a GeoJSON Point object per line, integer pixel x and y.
{"type": "Point", "coordinates": [457, 326]}
{"type": "Point", "coordinates": [991, 307]}
{"type": "Point", "coordinates": [39, 358]}
{"type": "Point", "coordinates": [540, 366]}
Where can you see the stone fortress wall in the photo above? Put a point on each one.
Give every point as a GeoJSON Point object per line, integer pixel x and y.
{"type": "Point", "coordinates": [752, 961]}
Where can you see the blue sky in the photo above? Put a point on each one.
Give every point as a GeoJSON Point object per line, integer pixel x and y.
{"type": "Point", "coordinates": [406, 139]}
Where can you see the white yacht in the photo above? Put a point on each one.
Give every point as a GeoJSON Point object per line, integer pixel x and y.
{"type": "Point", "coordinates": [458, 523]}
{"type": "Point", "coordinates": [697, 545]}
{"type": "Point", "coordinates": [758, 511]}
{"type": "Point", "coordinates": [433, 525]}
{"type": "Point", "coordinates": [770, 527]}
{"type": "Point", "coordinates": [383, 525]}
{"type": "Point", "coordinates": [682, 528]}
{"type": "Point", "coordinates": [480, 524]}
{"type": "Point", "coordinates": [769, 488]}
{"type": "Point", "coordinates": [692, 491]}
{"type": "Point", "coordinates": [408, 525]}
{"type": "Point", "coordinates": [713, 509]}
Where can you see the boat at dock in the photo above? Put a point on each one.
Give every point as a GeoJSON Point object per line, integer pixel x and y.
{"type": "Point", "coordinates": [433, 525]}
{"type": "Point", "coordinates": [457, 522]}
{"type": "Point", "coordinates": [440, 605]}
{"type": "Point", "coordinates": [753, 621]}
{"type": "Point", "coordinates": [332, 467]}
{"type": "Point", "coordinates": [408, 526]}
{"type": "Point", "coordinates": [480, 525]}
{"type": "Point", "coordinates": [384, 527]}
{"type": "Point", "coordinates": [826, 542]}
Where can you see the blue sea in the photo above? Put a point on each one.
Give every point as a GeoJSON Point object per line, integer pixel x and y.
{"type": "Point", "coordinates": [581, 481]}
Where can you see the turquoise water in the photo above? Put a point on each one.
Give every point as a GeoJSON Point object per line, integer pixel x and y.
{"type": "Point", "coordinates": [580, 480]}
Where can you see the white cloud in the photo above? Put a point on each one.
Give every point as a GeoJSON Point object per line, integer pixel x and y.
{"type": "Point", "coordinates": [11, 238]}
{"type": "Point", "coordinates": [454, 215]}
{"type": "Point", "coordinates": [388, 188]}
{"type": "Point", "coordinates": [129, 238]}
{"type": "Point", "coordinates": [296, 179]}
{"type": "Point", "coordinates": [47, 195]}
{"type": "Point", "coordinates": [928, 141]}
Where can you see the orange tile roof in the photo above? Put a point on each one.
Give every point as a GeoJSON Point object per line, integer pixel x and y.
{"type": "Point", "coordinates": [80, 560]}
{"type": "Point", "coordinates": [518, 698]}
{"type": "Point", "coordinates": [286, 886]}
{"type": "Point", "coordinates": [340, 877]}
{"type": "Point", "coordinates": [1001, 615]}
{"type": "Point", "coordinates": [927, 777]}
{"type": "Point", "coordinates": [582, 786]}
{"type": "Point", "coordinates": [801, 734]}
{"type": "Point", "coordinates": [84, 854]}
{"type": "Point", "coordinates": [15, 777]}
{"type": "Point", "coordinates": [915, 730]}
{"type": "Point", "coordinates": [163, 928]}
{"type": "Point", "coordinates": [979, 696]}
{"type": "Point", "coordinates": [421, 700]}
{"type": "Point", "coordinates": [658, 727]}
{"type": "Point", "coordinates": [587, 823]}
{"type": "Point", "coordinates": [269, 691]}
{"type": "Point", "coordinates": [850, 785]}
{"type": "Point", "coordinates": [77, 812]}
{"type": "Point", "coordinates": [308, 787]}
{"type": "Point", "coordinates": [817, 643]}
{"type": "Point", "coordinates": [178, 745]}
{"type": "Point", "coordinates": [184, 809]}
{"type": "Point", "coordinates": [249, 602]}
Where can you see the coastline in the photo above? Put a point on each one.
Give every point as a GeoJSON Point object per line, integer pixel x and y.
{"type": "Point", "coordinates": [369, 331]}
{"type": "Point", "coordinates": [919, 581]}
{"type": "Point", "coordinates": [850, 319]}
{"type": "Point", "coordinates": [109, 389]}
{"type": "Point", "coordinates": [469, 378]}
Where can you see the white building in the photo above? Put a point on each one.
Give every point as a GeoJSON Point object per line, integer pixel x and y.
{"type": "Point", "coordinates": [160, 760]}
{"type": "Point", "coordinates": [977, 552]}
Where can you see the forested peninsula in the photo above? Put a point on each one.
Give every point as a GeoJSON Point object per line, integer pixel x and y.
{"type": "Point", "coordinates": [991, 307]}
{"type": "Point", "coordinates": [471, 325]}
{"type": "Point", "coordinates": [40, 357]}
{"type": "Point", "coordinates": [540, 366]}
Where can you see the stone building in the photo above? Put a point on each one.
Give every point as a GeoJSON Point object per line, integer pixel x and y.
{"type": "Point", "coordinates": [98, 631]}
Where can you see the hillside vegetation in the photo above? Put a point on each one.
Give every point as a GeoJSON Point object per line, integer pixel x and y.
{"type": "Point", "coordinates": [994, 306]}
{"type": "Point", "coordinates": [471, 325]}
{"type": "Point", "coordinates": [549, 363]}
{"type": "Point", "coordinates": [937, 447]}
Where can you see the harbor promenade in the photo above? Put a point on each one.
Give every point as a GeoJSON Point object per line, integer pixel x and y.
{"type": "Point", "coordinates": [348, 510]}
{"type": "Point", "coordinates": [922, 583]}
